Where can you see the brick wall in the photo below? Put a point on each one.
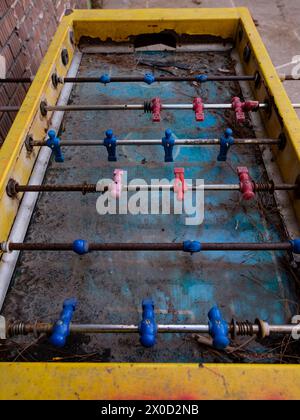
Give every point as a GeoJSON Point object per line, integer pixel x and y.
{"type": "Point", "coordinates": [26, 29]}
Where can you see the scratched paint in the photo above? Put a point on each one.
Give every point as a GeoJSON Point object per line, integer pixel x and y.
{"type": "Point", "coordinates": [110, 286]}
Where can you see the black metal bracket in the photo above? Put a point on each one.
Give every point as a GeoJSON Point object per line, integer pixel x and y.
{"type": "Point", "coordinates": [56, 80]}
{"type": "Point", "coordinates": [65, 57]}
{"type": "Point", "coordinates": [297, 190]}
{"type": "Point", "coordinates": [29, 143]}
{"type": "Point", "coordinates": [11, 188]}
{"type": "Point", "coordinates": [258, 80]}
{"type": "Point", "coordinates": [247, 53]}
{"type": "Point", "coordinates": [282, 141]}
{"type": "Point", "coordinates": [43, 108]}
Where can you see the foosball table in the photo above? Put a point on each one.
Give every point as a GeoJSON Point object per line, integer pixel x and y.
{"type": "Point", "coordinates": [150, 208]}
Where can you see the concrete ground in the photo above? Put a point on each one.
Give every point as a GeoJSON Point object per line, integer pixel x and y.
{"type": "Point", "coordinates": [278, 23]}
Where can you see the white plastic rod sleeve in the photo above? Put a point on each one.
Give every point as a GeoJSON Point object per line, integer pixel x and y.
{"type": "Point", "coordinates": [19, 229]}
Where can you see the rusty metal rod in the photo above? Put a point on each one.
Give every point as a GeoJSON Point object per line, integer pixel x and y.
{"type": "Point", "coordinates": [139, 79]}
{"type": "Point", "coordinates": [117, 246]}
{"type": "Point", "coordinates": [131, 79]}
{"type": "Point", "coordinates": [85, 188]}
{"type": "Point", "coordinates": [9, 108]}
{"type": "Point", "coordinates": [15, 328]}
{"type": "Point", "coordinates": [135, 107]}
{"type": "Point", "coordinates": [119, 107]}
{"type": "Point", "coordinates": [93, 188]}
{"type": "Point", "coordinates": [9, 80]}
{"type": "Point", "coordinates": [157, 142]}
{"type": "Point", "coordinates": [128, 107]}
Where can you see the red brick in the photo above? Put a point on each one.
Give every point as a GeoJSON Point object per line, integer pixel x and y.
{"type": "Point", "coordinates": [7, 25]}
{"type": "Point", "coordinates": [26, 30]}
{"type": "Point", "coordinates": [5, 124]}
{"type": "Point", "coordinates": [20, 65]}
{"type": "Point", "coordinates": [35, 12]}
{"type": "Point", "coordinates": [29, 47]}
{"type": "Point", "coordinates": [40, 5]}
{"type": "Point", "coordinates": [19, 11]}
{"type": "Point", "coordinates": [10, 88]}
{"type": "Point", "coordinates": [35, 64]}
{"type": "Point", "coordinates": [3, 8]}
{"type": "Point", "coordinates": [44, 43]}
{"type": "Point", "coordinates": [3, 97]}
{"type": "Point", "coordinates": [60, 8]}
{"type": "Point", "coordinates": [26, 27]}
{"type": "Point", "coordinates": [19, 96]}
{"type": "Point", "coordinates": [50, 7]}
{"type": "Point", "coordinates": [51, 28]}
{"type": "Point", "coordinates": [6, 52]}
{"type": "Point", "coordinates": [36, 35]}
{"type": "Point", "coordinates": [15, 44]}
{"type": "Point", "coordinates": [38, 54]}
{"type": "Point", "coordinates": [22, 32]}
{"type": "Point", "coordinates": [26, 4]}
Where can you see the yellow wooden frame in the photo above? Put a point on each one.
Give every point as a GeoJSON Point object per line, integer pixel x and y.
{"type": "Point", "coordinates": [165, 381]}
{"type": "Point", "coordinates": [105, 381]}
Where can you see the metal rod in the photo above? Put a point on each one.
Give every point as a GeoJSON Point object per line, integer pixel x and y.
{"type": "Point", "coordinates": [167, 329]}
{"type": "Point", "coordinates": [94, 328]}
{"type": "Point", "coordinates": [280, 246]}
{"type": "Point", "coordinates": [9, 108]}
{"type": "Point", "coordinates": [170, 187]}
{"type": "Point", "coordinates": [88, 188]}
{"type": "Point", "coordinates": [128, 107]}
{"type": "Point", "coordinates": [135, 107]}
{"type": "Point", "coordinates": [139, 79]}
{"type": "Point", "coordinates": [289, 78]}
{"type": "Point", "coordinates": [40, 328]}
{"type": "Point", "coordinates": [110, 329]}
{"type": "Point", "coordinates": [93, 188]}
{"type": "Point", "coordinates": [17, 80]}
{"type": "Point", "coordinates": [132, 79]}
{"type": "Point", "coordinates": [157, 142]}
